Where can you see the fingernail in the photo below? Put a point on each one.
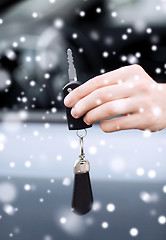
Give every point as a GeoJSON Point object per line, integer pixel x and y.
{"type": "Point", "coordinates": [85, 121]}
{"type": "Point", "coordinates": [74, 113]}
{"type": "Point", "coordinates": [67, 101]}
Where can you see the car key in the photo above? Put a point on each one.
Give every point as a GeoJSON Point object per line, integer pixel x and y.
{"type": "Point", "coordinates": [73, 123]}
{"type": "Point", "coordinates": [82, 199]}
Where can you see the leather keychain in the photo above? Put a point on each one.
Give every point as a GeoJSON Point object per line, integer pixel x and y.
{"type": "Point", "coordinates": [82, 199]}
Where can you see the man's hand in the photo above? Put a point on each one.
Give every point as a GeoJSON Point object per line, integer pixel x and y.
{"type": "Point", "coordinates": [129, 91]}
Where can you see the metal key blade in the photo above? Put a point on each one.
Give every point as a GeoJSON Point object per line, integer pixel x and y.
{"type": "Point", "coordinates": [71, 71]}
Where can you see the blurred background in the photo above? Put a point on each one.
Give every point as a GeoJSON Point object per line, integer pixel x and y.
{"type": "Point", "coordinates": [37, 151]}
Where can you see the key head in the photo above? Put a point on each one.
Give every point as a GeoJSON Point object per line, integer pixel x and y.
{"type": "Point", "coordinates": [73, 123]}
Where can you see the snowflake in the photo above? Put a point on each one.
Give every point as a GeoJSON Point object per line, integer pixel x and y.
{"type": "Point", "coordinates": [158, 8]}
{"type": "Point", "coordinates": [47, 125]}
{"type": "Point", "coordinates": [59, 157]}
{"type": "Point", "coordinates": [102, 70]}
{"type": "Point", "coordinates": [74, 35]}
{"type": "Point", "coordinates": [34, 14]}
{"type": "Point", "coordinates": [129, 30]}
{"type": "Point", "coordinates": [98, 10]}
{"type": "Point", "coordinates": [164, 188]}
{"type": "Point", "coordinates": [66, 181]}
{"type": "Point", "coordinates": [124, 37]}
{"type": "Point", "coordinates": [105, 225]}
{"type": "Point", "coordinates": [138, 54]}
{"type": "Point", "coordinates": [156, 111]}
{"type": "Point", "coordinates": [28, 59]}
{"type": "Point", "coordinates": [158, 70]}
{"type": "Point", "coordinates": [9, 209]}
{"type": "Point", "coordinates": [62, 220]}
{"type": "Point", "coordinates": [151, 174]}
{"type": "Point", "coordinates": [133, 232]}
{"type": "Point", "coordinates": [132, 59]}
{"type": "Point", "coordinates": [28, 164]}
{"type": "Point", "coordinates": [52, 180]}
{"type": "Point", "coordinates": [11, 234]}
{"type": "Point", "coordinates": [24, 99]}
{"type": "Point", "coordinates": [96, 206]}
{"type": "Point", "coordinates": [80, 50]}
{"type": "Point", "coordinates": [162, 220]}
{"type": "Point", "coordinates": [38, 58]}
{"type": "Point", "coordinates": [147, 133]}
{"type": "Point", "coordinates": [46, 75]}
{"type": "Point", "coordinates": [32, 83]}
{"type": "Point", "coordinates": [10, 54]}
{"type": "Point", "coordinates": [123, 58]}
{"type": "Point", "coordinates": [154, 48]}
{"type": "Point", "coordinates": [36, 133]}
{"type": "Point", "coordinates": [110, 207]}
{"type": "Point", "coordinates": [149, 30]}
{"type": "Point", "coordinates": [15, 44]}
{"type": "Point", "coordinates": [140, 171]}
{"type": "Point", "coordinates": [114, 14]}
{"type": "Point", "coordinates": [105, 54]}
{"type": "Point", "coordinates": [82, 13]}
{"type": "Point", "coordinates": [12, 164]}
{"type": "Point", "coordinates": [53, 110]}
{"type": "Point", "coordinates": [22, 39]}
{"type": "Point", "coordinates": [27, 187]}
{"type": "Point", "coordinates": [59, 23]}
{"type": "Point", "coordinates": [73, 144]}
{"type": "Point", "coordinates": [92, 150]}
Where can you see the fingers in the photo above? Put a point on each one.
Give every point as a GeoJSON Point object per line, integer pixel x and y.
{"type": "Point", "coordinates": [99, 97]}
{"type": "Point", "coordinates": [109, 109]}
{"type": "Point", "coordinates": [132, 121]}
{"type": "Point", "coordinates": [110, 78]}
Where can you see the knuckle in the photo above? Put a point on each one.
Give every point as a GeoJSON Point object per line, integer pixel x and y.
{"type": "Point", "coordinates": [136, 68]}
{"type": "Point", "coordinates": [142, 86]}
{"type": "Point", "coordinates": [109, 110]}
{"type": "Point", "coordinates": [96, 81]}
{"type": "Point", "coordinates": [145, 104]}
{"type": "Point", "coordinates": [149, 119]}
{"type": "Point", "coordinates": [101, 80]}
{"type": "Point", "coordinates": [77, 92]}
{"type": "Point", "coordinates": [145, 86]}
{"type": "Point", "coordinates": [112, 110]}
{"type": "Point", "coordinates": [99, 96]}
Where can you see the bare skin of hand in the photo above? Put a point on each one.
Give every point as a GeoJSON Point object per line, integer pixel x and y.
{"type": "Point", "coordinates": [128, 91]}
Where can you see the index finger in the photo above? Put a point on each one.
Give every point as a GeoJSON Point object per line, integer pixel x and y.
{"type": "Point", "coordinates": [109, 78]}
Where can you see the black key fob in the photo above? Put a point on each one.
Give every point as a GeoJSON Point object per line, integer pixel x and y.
{"type": "Point", "coordinates": [73, 123]}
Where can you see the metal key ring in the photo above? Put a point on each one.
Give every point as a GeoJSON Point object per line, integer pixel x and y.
{"type": "Point", "coordinates": [81, 136]}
